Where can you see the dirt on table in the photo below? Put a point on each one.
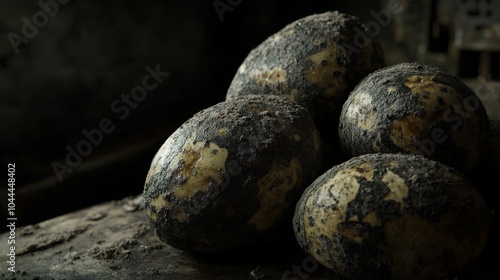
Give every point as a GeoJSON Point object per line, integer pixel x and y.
{"type": "Point", "coordinates": [114, 241]}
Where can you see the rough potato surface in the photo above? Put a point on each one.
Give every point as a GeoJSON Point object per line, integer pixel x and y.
{"type": "Point", "coordinates": [418, 109]}
{"type": "Point", "coordinates": [315, 61]}
{"type": "Point", "coordinates": [392, 216]}
{"type": "Point", "coordinates": [231, 175]}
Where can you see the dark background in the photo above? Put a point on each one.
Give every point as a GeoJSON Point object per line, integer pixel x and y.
{"type": "Point", "coordinates": [66, 77]}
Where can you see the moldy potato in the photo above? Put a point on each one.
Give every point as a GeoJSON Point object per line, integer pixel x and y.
{"type": "Point", "coordinates": [418, 109]}
{"type": "Point", "coordinates": [392, 216]}
{"type": "Point", "coordinates": [231, 175]}
{"type": "Point", "coordinates": [315, 61]}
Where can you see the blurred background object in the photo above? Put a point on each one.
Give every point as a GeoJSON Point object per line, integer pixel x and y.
{"type": "Point", "coordinates": [461, 37]}
{"type": "Point", "coordinates": [76, 65]}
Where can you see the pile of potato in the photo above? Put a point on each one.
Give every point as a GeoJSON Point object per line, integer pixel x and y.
{"type": "Point", "coordinates": [372, 164]}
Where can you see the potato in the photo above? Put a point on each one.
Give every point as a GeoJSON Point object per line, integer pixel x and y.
{"type": "Point", "coordinates": [392, 216]}
{"type": "Point", "coordinates": [416, 108]}
{"type": "Point", "coordinates": [315, 61]}
{"type": "Point", "coordinates": [230, 176]}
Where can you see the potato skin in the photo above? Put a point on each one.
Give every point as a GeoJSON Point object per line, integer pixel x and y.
{"type": "Point", "coordinates": [230, 176]}
{"type": "Point", "coordinates": [315, 61]}
{"type": "Point", "coordinates": [418, 109]}
{"type": "Point", "coordinates": [392, 216]}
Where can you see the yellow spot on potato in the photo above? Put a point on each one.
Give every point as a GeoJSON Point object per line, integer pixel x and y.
{"type": "Point", "coordinates": [198, 166]}
{"type": "Point", "coordinates": [414, 81]}
{"type": "Point", "coordinates": [270, 77]}
{"type": "Point", "coordinates": [354, 218]}
{"type": "Point", "coordinates": [180, 216]}
{"type": "Point", "coordinates": [275, 38]}
{"type": "Point", "coordinates": [242, 68]}
{"type": "Point", "coordinates": [398, 188]}
{"type": "Point", "coordinates": [330, 201]}
{"type": "Point", "coordinates": [160, 202]}
{"type": "Point", "coordinates": [362, 112]}
{"type": "Point", "coordinates": [406, 131]}
{"type": "Point", "coordinates": [151, 214]}
{"type": "Point", "coordinates": [222, 131]}
{"type": "Point", "coordinates": [371, 219]}
{"type": "Point", "coordinates": [438, 103]}
{"type": "Point", "coordinates": [353, 234]}
{"type": "Point", "coordinates": [434, 97]}
{"type": "Point", "coordinates": [325, 72]}
{"type": "Point", "coordinates": [393, 163]}
{"type": "Point", "coordinates": [392, 89]}
{"type": "Point", "coordinates": [157, 203]}
{"type": "Point", "coordinates": [273, 188]}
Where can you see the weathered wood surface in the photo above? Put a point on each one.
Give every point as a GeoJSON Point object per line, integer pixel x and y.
{"type": "Point", "coordinates": [114, 241]}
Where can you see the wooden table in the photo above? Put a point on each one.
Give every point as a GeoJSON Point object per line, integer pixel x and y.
{"type": "Point", "coordinates": [114, 241]}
